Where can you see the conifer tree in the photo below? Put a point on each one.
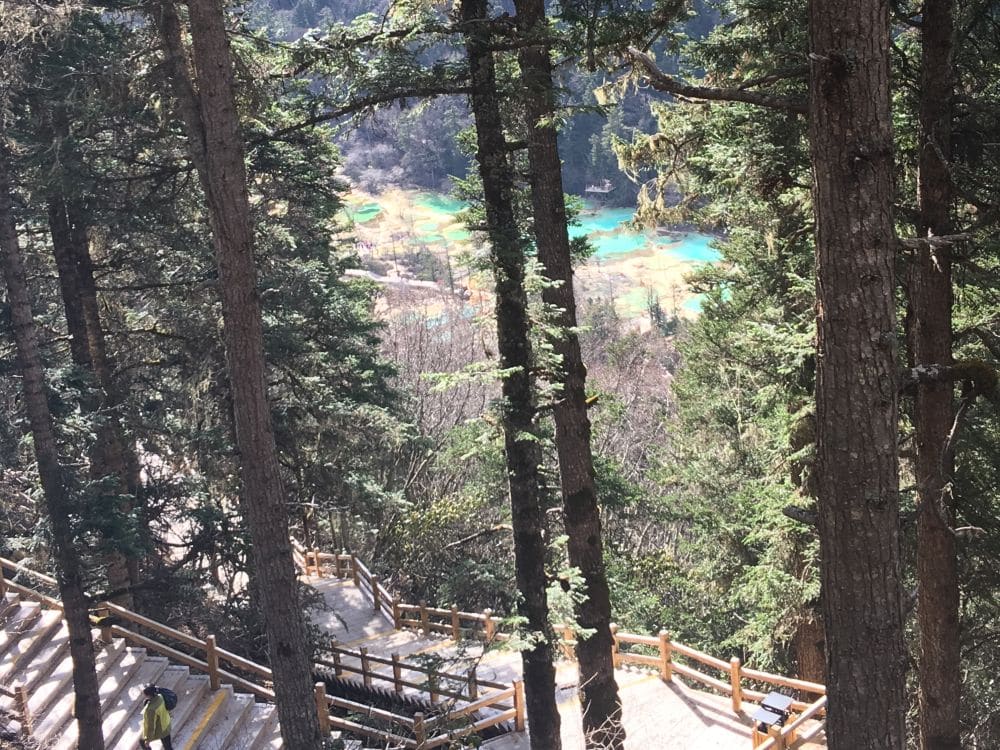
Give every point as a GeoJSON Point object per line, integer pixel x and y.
{"type": "Point", "coordinates": [507, 254]}
{"type": "Point", "coordinates": [206, 97]}
{"type": "Point", "coordinates": [51, 472]}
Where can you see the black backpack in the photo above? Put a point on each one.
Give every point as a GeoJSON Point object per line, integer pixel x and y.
{"type": "Point", "coordinates": [169, 697]}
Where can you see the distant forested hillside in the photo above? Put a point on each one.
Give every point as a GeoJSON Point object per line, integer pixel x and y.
{"type": "Point", "coordinates": [419, 147]}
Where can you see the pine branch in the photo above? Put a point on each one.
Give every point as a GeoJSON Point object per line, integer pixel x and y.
{"type": "Point", "coordinates": [364, 103]}
{"type": "Point", "coordinates": [670, 85]}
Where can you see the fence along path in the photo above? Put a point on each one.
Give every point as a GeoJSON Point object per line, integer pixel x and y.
{"type": "Point", "coordinates": [34, 661]}
{"type": "Point", "coordinates": [370, 625]}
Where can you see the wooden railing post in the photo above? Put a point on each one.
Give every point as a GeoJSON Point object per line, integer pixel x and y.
{"type": "Point", "coordinates": [338, 670]}
{"type": "Point", "coordinates": [316, 563]}
{"type": "Point", "coordinates": [3, 583]}
{"type": "Point", "coordinates": [24, 712]}
{"type": "Point", "coordinates": [419, 730]}
{"type": "Point", "coordinates": [456, 631]}
{"type": "Point", "coordinates": [519, 722]}
{"type": "Point", "coordinates": [734, 679]}
{"type": "Point", "coordinates": [354, 571]}
{"type": "Point", "coordinates": [366, 667]}
{"type": "Point", "coordinates": [336, 565]}
{"type": "Point", "coordinates": [375, 594]}
{"type": "Point", "coordinates": [425, 621]}
{"type": "Point", "coordinates": [432, 685]}
{"type": "Point", "coordinates": [616, 657]}
{"type": "Point", "coordinates": [105, 617]}
{"type": "Point", "coordinates": [473, 683]}
{"type": "Point", "coordinates": [322, 708]}
{"type": "Point", "coordinates": [396, 616]}
{"type": "Point", "coordinates": [212, 659]}
{"type": "Point", "coordinates": [489, 628]}
{"type": "Point", "coordinates": [666, 668]}
{"type": "Point", "coordinates": [565, 641]}
{"type": "Point", "coordinates": [397, 674]}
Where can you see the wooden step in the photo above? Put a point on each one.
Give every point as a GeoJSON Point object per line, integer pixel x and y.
{"type": "Point", "coordinates": [112, 678]}
{"type": "Point", "coordinates": [190, 690]}
{"type": "Point", "coordinates": [18, 624]}
{"type": "Point", "coordinates": [116, 707]}
{"type": "Point", "coordinates": [263, 719]}
{"type": "Point", "coordinates": [31, 673]}
{"type": "Point", "coordinates": [230, 729]}
{"type": "Point", "coordinates": [212, 706]}
{"type": "Point", "coordinates": [30, 643]}
{"type": "Point", "coordinates": [56, 681]}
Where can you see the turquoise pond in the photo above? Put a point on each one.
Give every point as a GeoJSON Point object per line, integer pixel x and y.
{"type": "Point", "coordinates": [365, 212]}
{"type": "Point", "coordinates": [607, 229]}
{"type": "Point", "coordinates": [442, 203]}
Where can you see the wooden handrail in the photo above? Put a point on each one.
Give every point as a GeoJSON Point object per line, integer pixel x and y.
{"type": "Point", "coordinates": [214, 655]}
{"type": "Point", "coordinates": [790, 682]}
{"type": "Point", "coordinates": [455, 622]}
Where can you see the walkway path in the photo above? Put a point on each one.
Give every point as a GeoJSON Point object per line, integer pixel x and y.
{"type": "Point", "coordinates": [656, 714]}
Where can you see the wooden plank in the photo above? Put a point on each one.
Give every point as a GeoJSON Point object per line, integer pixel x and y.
{"type": "Point", "coordinates": [37, 596]}
{"type": "Point", "coordinates": [49, 580]}
{"type": "Point", "coordinates": [238, 661]}
{"type": "Point", "coordinates": [449, 737]}
{"type": "Point", "coordinates": [170, 653]}
{"type": "Point", "coordinates": [375, 713]}
{"type": "Point", "coordinates": [156, 627]}
{"type": "Point", "coordinates": [350, 726]}
{"type": "Point", "coordinates": [692, 653]}
{"type": "Point", "coordinates": [487, 702]}
{"type": "Point", "coordinates": [643, 640]}
{"type": "Point", "coordinates": [648, 661]}
{"type": "Point", "coordinates": [790, 682]}
{"type": "Point", "coordinates": [694, 674]}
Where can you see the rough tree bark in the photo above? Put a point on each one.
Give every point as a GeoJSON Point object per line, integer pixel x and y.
{"type": "Point", "coordinates": [601, 703]}
{"type": "Point", "coordinates": [208, 106]}
{"type": "Point", "coordinates": [520, 434]}
{"type": "Point", "coordinates": [69, 569]}
{"type": "Point", "coordinates": [110, 459]}
{"type": "Point", "coordinates": [929, 290]}
{"type": "Point", "coordinates": [107, 455]}
{"type": "Point", "coordinates": [856, 378]}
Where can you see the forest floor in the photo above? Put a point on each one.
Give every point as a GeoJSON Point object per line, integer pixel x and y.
{"type": "Point", "coordinates": [656, 714]}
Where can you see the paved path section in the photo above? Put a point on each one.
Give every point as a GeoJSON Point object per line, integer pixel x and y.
{"type": "Point", "coordinates": [656, 714]}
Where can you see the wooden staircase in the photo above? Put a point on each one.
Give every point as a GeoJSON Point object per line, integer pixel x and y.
{"type": "Point", "coordinates": [34, 657]}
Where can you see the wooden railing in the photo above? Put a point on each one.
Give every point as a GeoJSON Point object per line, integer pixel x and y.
{"type": "Point", "coordinates": [657, 652]}
{"type": "Point", "coordinates": [796, 730]}
{"type": "Point", "coordinates": [436, 684]}
{"type": "Point", "coordinates": [403, 615]}
{"type": "Point", "coordinates": [226, 667]}
{"type": "Point", "coordinates": [21, 712]}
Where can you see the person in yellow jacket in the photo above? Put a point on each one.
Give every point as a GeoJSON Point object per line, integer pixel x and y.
{"type": "Point", "coordinates": [155, 720]}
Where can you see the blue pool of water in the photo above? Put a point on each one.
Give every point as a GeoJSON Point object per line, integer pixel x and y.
{"type": "Point", "coordinates": [442, 203]}
{"type": "Point", "coordinates": [604, 220]}
{"type": "Point", "coordinates": [694, 248]}
{"type": "Point", "coordinates": [609, 234]}
{"type": "Point", "coordinates": [607, 229]}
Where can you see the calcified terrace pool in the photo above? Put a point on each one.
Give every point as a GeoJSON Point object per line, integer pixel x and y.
{"type": "Point", "coordinates": [607, 229]}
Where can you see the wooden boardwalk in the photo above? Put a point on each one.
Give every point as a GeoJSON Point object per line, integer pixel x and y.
{"type": "Point", "coordinates": [656, 714]}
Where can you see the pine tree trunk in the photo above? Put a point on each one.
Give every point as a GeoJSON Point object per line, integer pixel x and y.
{"type": "Point", "coordinates": [601, 703]}
{"type": "Point", "coordinates": [88, 353]}
{"type": "Point", "coordinates": [520, 442]}
{"type": "Point", "coordinates": [69, 569]}
{"type": "Point", "coordinates": [856, 378]}
{"type": "Point", "coordinates": [930, 334]}
{"type": "Point", "coordinates": [217, 151]}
